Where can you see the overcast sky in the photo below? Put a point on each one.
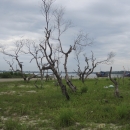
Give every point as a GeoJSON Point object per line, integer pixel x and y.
{"type": "Point", "coordinates": [106, 22]}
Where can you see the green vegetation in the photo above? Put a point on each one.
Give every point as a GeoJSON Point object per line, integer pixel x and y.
{"type": "Point", "coordinates": [11, 75]}
{"type": "Point", "coordinates": [94, 107]}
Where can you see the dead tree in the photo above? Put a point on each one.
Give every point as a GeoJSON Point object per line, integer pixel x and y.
{"type": "Point", "coordinates": [37, 54]}
{"type": "Point", "coordinates": [46, 45]}
{"type": "Point", "coordinates": [60, 26]}
{"type": "Point", "coordinates": [81, 42]}
{"type": "Point", "coordinates": [16, 57]}
{"type": "Point", "coordinates": [91, 63]}
{"type": "Point", "coordinates": [116, 92]}
{"type": "Point", "coordinates": [10, 64]}
{"type": "Point", "coordinates": [18, 46]}
{"type": "Point", "coordinates": [108, 61]}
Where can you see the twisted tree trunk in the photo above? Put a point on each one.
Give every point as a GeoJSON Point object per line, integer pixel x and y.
{"type": "Point", "coordinates": [69, 83]}
{"type": "Point", "coordinates": [116, 92]}
{"type": "Point", "coordinates": [63, 87]}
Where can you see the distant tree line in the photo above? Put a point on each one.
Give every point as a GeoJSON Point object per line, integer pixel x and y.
{"type": "Point", "coordinates": [10, 75]}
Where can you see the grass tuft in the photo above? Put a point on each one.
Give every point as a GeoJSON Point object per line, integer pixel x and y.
{"type": "Point", "coordinates": [84, 89]}
{"type": "Point", "coordinates": [66, 117]}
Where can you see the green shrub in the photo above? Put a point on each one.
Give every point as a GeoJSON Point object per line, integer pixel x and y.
{"type": "Point", "coordinates": [84, 89]}
{"type": "Point", "coordinates": [11, 75]}
{"type": "Point", "coordinates": [66, 117]}
{"type": "Point", "coordinates": [17, 74]}
{"type": "Point", "coordinates": [6, 75]}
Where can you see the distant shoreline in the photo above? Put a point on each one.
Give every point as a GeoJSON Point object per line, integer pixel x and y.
{"type": "Point", "coordinates": [73, 77]}
{"type": "Point", "coordinates": [113, 72]}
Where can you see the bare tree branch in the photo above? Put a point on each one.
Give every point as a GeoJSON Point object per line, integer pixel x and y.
{"type": "Point", "coordinates": [16, 56]}
{"type": "Point", "coordinates": [37, 54]}
{"type": "Point", "coordinates": [88, 69]}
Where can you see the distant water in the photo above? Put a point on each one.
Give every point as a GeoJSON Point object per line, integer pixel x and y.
{"type": "Point", "coordinates": [94, 75]}
{"type": "Point", "coordinates": [112, 75]}
{"type": "Point", "coordinates": [74, 75]}
{"type": "Point", "coordinates": [90, 76]}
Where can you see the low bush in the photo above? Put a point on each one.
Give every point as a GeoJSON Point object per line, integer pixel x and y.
{"type": "Point", "coordinates": [11, 75]}
{"type": "Point", "coordinates": [84, 89]}
{"type": "Point", "coordinates": [6, 75]}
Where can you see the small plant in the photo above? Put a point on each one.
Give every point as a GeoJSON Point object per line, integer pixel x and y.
{"type": "Point", "coordinates": [123, 111]}
{"type": "Point", "coordinates": [14, 125]}
{"type": "Point", "coordinates": [84, 89]}
{"type": "Point", "coordinates": [66, 117]}
{"type": "Point", "coordinates": [15, 85]}
{"type": "Point", "coordinates": [127, 127]}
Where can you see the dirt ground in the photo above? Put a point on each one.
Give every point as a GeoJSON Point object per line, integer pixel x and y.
{"type": "Point", "coordinates": [13, 79]}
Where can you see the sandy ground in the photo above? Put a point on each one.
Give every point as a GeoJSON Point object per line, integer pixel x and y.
{"type": "Point", "coordinates": [13, 79]}
{"type": "Point", "coordinates": [19, 79]}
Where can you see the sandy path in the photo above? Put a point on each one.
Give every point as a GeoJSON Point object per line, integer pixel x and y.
{"type": "Point", "coordinates": [13, 79]}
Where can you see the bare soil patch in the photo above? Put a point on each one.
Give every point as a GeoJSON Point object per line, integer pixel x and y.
{"type": "Point", "coordinates": [13, 79]}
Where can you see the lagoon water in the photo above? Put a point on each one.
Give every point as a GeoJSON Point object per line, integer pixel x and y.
{"type": "Point", "coordinates": [94, 75]}
{"type": "Point", "coordinates": [74, 75]}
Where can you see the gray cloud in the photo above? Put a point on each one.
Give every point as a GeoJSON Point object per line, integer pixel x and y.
{"type": "Point", "coordinates": [107, 22]}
